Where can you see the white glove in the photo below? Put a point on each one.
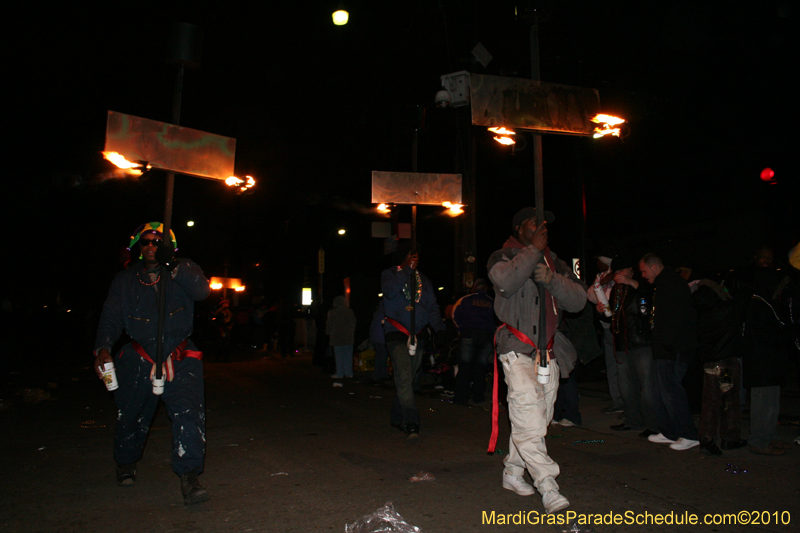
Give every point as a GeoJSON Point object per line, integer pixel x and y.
{"type": "Point", "coordinates": [542, 274]}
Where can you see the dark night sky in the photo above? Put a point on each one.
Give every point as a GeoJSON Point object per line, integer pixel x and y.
{"type": "Point", "coordinates": [709, 91]}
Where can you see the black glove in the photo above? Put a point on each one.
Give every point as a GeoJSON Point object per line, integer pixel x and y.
{"type": "Point", "coordinates": [165, 255]}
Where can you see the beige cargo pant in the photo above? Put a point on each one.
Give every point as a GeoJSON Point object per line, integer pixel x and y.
{"type": "Point", "coordinates": [530, 409]}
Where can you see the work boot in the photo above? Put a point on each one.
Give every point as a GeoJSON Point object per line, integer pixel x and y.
{"type": "Point", "coordinates": [126, 475]}
{"type": "Point", "coordinates": [412, 430]}
{"type": "Point", "coordinates": [193, 492]}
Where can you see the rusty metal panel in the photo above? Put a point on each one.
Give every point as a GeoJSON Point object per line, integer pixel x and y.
{"type": "Point", "coordinates": [532, 105]}
{"type": "Point", "coordinates": [415, 188]}
{"type": "Point", "coordinates": [170, 147]}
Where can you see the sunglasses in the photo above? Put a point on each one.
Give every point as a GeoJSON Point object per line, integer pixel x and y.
{"type": "Point", "coordinates": [150, 242]}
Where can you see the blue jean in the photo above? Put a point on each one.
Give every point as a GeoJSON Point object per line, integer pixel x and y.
{"type": "Point", "coordinates": [636, 386]}
{"type": "Point", "coordinates": [475, 354]}
{"type": "Point", "coordinates": [344, 360]}
{"type": "Point", "coordinates": [765, 406]}
{"type": "Point", "coordinates": [404, 408]}
{"type": "Point", "coordinates": [672, 407]}
{"type": "Point", "coordinates": [136, 405]}
{"type": "Point", "coordinates": [612, 368]}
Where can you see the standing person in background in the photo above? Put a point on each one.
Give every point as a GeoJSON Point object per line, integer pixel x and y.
{"type": "Point", "coordinates": [473, 315]}
{"type": "Point", "coordinates": [401, 285]}
{"type": "Point", "coordinates": [605, 282]}
{"type": "Point", "coordinates": [672, 321]}
{"type": "Point", "coordinates": [630, 329]}
{"type": "Point", "coordinates": [525, 262]}
{"type": "Point", "coordinates": [341, 326]}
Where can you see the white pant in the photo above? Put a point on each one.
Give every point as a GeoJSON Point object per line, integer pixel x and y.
{"type": "Point", "coordinates": [530, 409]}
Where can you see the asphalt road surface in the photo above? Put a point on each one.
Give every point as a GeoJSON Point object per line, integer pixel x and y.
{"type": "Point", "coordinates": [289, 452]}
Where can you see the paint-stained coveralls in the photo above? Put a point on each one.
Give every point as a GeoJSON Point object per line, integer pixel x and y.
{"type": "Point", "coordinates": [132, 306]}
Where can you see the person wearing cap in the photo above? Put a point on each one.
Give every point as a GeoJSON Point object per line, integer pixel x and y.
{"type": "Point", "coordinates": [630, 331]}
{"type": "Point", "coordinates": [523, 263]}
{"type": "Point", "coordinates": [132, 307]}
{"type": "Point", "coordinates": [473, 315]}
{"type": "Point", "coordinates": [405, 289]}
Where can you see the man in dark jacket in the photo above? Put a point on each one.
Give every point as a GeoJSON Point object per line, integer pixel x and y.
{"type": "Point", "coordinates": [406, 290]}
{"type": "Point", "coordinates": [630, 330]}
{"type": "Point", "coordinates": [672, 320]}
{"type": "Point", "coordinates": [132, 306]}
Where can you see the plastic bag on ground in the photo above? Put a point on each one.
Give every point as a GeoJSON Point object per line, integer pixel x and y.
{"type": "Point", "coordinates": [384, 520]}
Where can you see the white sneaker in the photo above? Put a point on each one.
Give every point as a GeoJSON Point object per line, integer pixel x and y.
{"type": "Point", "coordinates": [554, 502]}
{"type": "Point", "coordinates": [660, 439]}
{"type": "Point", "coordinates": [517, 484]}
{"type": "Point", "coordinates": [684, 444]}
{"type": "Point", "coordinates": [566, 422]}
{"type": "Point", "coordinates": [553, 422]}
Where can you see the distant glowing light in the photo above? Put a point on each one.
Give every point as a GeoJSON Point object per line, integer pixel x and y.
{"type": "Point", "coordinates": [383, 208]}
{"type": "Point", "coordinates": [340, 17]}
{"type": "Point", "coordinates": [768, 175]}
{"type": "Point", "coordinates": [190, 223]}
{"type": "Point", "coordinates": [341, 232]}
{"type": "Point", "coordinates": [306, 296]}
{"type": "Point", "coordinates": [239, 288]}
{"type": "Point", "coordinates": [216, 286]}
{"type": "Point", "coordinates": [441, 288]}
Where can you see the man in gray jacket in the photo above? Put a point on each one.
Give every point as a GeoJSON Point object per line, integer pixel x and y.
{"type": "Point", "coordinates": [516, 270]}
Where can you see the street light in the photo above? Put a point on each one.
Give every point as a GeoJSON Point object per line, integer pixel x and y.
{"type": "Point", "coordinates": [340, 16]}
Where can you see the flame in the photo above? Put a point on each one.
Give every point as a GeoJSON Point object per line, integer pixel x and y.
{"type": "Point", "coordinates": [502, 130]}
{"type": "Point", "coordinates": [453, 209]}
{"type": "Point", "coordinates": [239, 288]}
{"type": "Point", "coordinates": [216, 286]}
{"type": "Point", "coordinates": [120, 161]}
{"type": "Point", "coordinates": [607, 123]}
{"type": "Point", "coordinates": [383, 208]}
{"type": "Point", "coordinates": [503, 139]}
{"type": "Point", "coordinates": [247, 183]}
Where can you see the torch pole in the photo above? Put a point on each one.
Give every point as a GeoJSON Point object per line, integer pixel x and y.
{"type": "Point", "coordinates": [538, 176]}
{"type": "Point", "coordinates": [158, 383]}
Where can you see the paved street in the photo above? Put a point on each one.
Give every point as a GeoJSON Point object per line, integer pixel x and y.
{"type": "Point", "coordinates": [289, 452]}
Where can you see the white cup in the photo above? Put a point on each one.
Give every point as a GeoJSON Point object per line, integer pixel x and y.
{"type": "Point", "coordinates": [110, 376]}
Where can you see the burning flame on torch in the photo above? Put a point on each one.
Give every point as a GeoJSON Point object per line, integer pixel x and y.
{"type": "Point", "coordinates": [120, 161]}
{"type": "Point", "coordinates": [247, 183]}
{"type": "Point", "coordinates": [504, 135]}
{"type": "Point", "coordinates": [453, 209]}
{"type": "Point", "coordinates": [607, 125]}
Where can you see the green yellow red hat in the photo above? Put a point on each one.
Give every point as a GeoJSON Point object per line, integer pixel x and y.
{"type": "Point", "coordinates": [151, 227]}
